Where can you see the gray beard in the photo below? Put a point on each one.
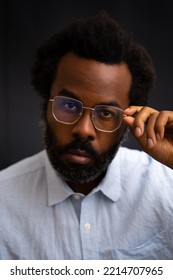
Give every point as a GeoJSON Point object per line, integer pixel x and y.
{"type": "Point", "coordinates": [75, 172]}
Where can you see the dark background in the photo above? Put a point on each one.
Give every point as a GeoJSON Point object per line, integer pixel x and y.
{"type": "Point", "coordinates": [24, 24]}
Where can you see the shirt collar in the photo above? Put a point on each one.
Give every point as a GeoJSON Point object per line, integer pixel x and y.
{"type": "Point", "coordinates": [58, 190]}
{"type": "Point", "coordinates": [110, 186]}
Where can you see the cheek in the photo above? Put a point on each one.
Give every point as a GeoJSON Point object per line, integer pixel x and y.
{"type": "Point", "coordinates": [111, 139]}
{"type": "Point", "coordinates": [106, 141]}
{"type": "Point", "coordinates": [61, 131]}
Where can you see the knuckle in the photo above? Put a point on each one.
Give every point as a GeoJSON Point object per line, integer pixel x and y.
{"type": "Point", "coordinates": [164, 112]}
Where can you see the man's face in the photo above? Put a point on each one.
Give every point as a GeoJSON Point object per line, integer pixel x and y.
{"type": "Point", "coordinates": [80, 152]}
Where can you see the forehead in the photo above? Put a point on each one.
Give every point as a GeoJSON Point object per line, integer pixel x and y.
{"type": "Point", "coordinates": [91, 81]}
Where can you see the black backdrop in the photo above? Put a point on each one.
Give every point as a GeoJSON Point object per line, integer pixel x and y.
{"type": "Point", "coordinates": [25, 24]}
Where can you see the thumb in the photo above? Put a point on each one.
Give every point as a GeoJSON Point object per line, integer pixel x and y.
{"type": "Point", "coordinates": [129, 121]}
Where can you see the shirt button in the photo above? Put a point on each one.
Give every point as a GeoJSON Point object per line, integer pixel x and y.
{"type": "Point", "coordinates": [77, 197]}
{"type": "Point", "coordinates": [87, 226]}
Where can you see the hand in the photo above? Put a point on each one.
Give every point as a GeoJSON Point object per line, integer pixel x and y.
{"type": "Point", "coordinates": [153, 131]}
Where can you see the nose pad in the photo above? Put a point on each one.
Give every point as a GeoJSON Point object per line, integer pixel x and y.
{"type": "Point", "coordinates": [84, 127]}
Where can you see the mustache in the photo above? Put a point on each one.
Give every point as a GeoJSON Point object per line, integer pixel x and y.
{"type": "Point", "coordinates": [79, 144]}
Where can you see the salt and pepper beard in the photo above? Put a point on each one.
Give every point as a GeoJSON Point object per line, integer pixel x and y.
{"type": "Point", "coordinates": [75, 172]}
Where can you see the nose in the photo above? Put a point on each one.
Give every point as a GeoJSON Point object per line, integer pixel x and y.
{"type": "Point", "coordinates": [84, 127]}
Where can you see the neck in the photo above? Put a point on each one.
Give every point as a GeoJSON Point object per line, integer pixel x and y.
{"type": "Point", "coordinates": [85, 188]}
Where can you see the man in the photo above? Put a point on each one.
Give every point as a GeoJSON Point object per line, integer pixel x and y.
{"type": "Point", "coordinates": [86, 197]}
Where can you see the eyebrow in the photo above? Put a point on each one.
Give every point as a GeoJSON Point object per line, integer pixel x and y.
{"type": "Point", "coordinates": [67, 93]}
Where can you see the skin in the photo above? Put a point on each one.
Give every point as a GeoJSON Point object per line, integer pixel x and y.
{"type": "Point", "coordinates": [153, 131]}
{"type": "Point", "coordinates": [92, 83]}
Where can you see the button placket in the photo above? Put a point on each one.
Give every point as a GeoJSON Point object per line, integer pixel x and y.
{"type": "Point", "coordinates": [87, 228]}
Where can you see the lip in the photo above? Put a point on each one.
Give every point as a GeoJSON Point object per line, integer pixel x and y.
{"type": "Point", "coordinates": [78, 156]}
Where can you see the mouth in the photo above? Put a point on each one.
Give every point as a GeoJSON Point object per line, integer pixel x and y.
{"type": "Point", "coordinates": [79, 157]}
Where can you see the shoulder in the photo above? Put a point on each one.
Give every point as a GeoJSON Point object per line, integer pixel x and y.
{"type": "Point", "coordinates": [146, 181]}
{"type": "Point", "coordinates": [133, 156]}
{"type": "Point", "coordinates": [23, 167]}
{"type": "Point", "coordinates": [140, 165]}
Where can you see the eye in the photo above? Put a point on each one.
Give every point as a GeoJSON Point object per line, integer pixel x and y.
{"type": "Point", "coordinates": [70, 106]}
{"type": "Point", "coordinates": [105, 113]}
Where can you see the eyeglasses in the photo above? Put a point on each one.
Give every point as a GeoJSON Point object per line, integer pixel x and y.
{"type": "Point", "coordinates": [68, 110]}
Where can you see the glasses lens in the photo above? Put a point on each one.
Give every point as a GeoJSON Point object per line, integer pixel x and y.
{"type": "Point", "coordinates": [66, 110]}
{"type": "Point", "coordinates": [107, 118]}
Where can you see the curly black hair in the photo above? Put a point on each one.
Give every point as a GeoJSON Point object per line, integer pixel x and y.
{"type": "Point", "coordinates": [101, 38]}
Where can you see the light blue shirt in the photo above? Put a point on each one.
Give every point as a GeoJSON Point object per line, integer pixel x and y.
{"type": "Point", "coordinates": [128, 216]}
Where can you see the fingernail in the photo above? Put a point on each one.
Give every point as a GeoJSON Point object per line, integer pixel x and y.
{"type": "Point", "coordinates": [158, 137]}
{"type": "Point", "coordinates": [150, 143]}
{"type": "Point", "coordinates": [138, 131]}
{"type": "Point", "coordinates": [127, 109]}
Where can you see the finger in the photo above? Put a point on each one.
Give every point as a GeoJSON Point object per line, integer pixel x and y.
{"type": "Point", "coordinates": [129, 120]}
{"type": "Point", "coordinates": [132, 110]}
{"type": "Point", "coordinates": [140, 115]}
{"type": "Point", "coordinates": [141, 120]}
{"type": "Point", "coordinates": [130, 114]}
{"type": "Point", "coordinates": [164, 121]}
{"type": "Point", "coordinates": [150, 130]}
